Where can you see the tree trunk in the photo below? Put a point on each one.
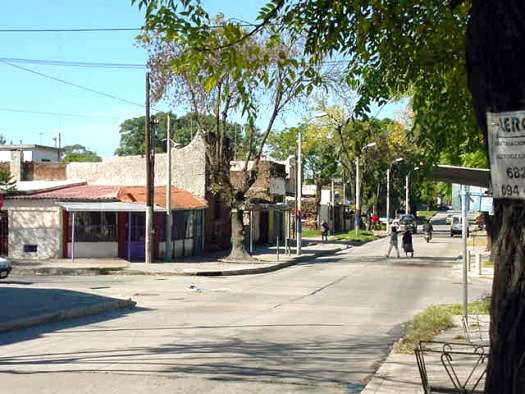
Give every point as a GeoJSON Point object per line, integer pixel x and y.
{"type": "Point", "coordinates": [318, 190]}
{"type": "Point", "coordinates": [495, 60]}
{"type": "Point", "coordinates": [238, 252]}
{"type": "Point", "coordinates": [506, 372]}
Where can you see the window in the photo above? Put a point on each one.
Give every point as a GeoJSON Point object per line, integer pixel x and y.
{"type": "Point", "coordinates": [30, 248]}
{"type": "Point", "coordinates": [178, 228]}
{"type": "Point", "coordinates": [94, 227]}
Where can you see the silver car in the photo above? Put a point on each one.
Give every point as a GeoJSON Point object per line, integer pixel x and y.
{"type": "Point", "coordinates": [5, 267]}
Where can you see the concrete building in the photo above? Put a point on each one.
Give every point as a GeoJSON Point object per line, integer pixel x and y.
{"type": "Point", "coordinates": [100, 221]}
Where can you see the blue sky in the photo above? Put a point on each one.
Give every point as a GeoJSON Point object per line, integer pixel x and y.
{"type": "Point", "coordinates": [33, 108]}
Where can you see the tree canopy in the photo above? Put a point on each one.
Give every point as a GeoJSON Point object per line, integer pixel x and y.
{"type": "Point", "coordinates": [78, 152]}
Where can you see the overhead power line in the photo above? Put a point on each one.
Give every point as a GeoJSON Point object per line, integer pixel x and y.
{"type": "Point", "coordinates": [75, 64]}
{"type": "Point", "coordinates": [24, 111]}
{"type": "Point", "coordinates": [79, 30]}
{"type": "Point", "coordinates": [73, 84]}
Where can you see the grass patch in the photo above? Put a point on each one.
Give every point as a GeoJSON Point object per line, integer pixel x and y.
{"type": "Point", "coordinates": [311, 233]}
{"type": "Point", "coordinates": [433, 320]}
{"type": "Point", "coordinates": [488, 264]}
{"type": "Point", "coordinates": [362, 235]}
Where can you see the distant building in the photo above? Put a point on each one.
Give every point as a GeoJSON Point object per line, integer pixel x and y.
{"type": "Point", "coordinates": [30, 153]}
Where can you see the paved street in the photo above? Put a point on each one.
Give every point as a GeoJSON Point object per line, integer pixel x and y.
{"type": "Point", "coordinates": [315, 327]}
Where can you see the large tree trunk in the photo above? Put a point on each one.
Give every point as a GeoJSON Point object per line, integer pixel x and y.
{"type": "Point", "coordinates": [495, 64]}
{"type": "Point", "coordinates": [238, 252]}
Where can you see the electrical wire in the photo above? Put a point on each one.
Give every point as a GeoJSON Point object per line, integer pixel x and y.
{"type": "Point", "coordinates": [23, 111]}
{"type": "Point", "coordinates": [75, 64]}
{"type": "Point", "coordinates": [73, 84]}
{"type": "Point", "coordinates": [77, 30]}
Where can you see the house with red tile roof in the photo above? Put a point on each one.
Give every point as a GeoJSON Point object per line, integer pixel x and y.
{"type": "Point", "coordinates": [101, 221]}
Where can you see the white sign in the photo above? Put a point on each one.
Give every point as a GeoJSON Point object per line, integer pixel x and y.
{"type": "Point", "coordinates": [506, 135]}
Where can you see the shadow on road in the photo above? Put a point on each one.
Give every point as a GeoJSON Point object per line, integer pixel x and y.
{"type": "Point", "coordinates": [24, 307]}
{"type": "Point", "coordinates": [342, 362]}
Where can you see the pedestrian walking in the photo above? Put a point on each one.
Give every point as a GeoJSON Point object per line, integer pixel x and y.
{"type": "Point", "coordinates": [374, 221]}
{"type": "Point", "coordinates": [407, 243]}
{"type": "Point", "coordinates": [393, 241]}
{"type": "Point", "coordinates": [324, 231]}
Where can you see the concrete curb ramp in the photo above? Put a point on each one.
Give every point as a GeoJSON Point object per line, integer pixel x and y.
{"type": "Point", "coordinates": [52, 317]}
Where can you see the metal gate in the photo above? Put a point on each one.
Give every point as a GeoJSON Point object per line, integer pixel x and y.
{"type": "Point", "coordinates": [4, 233]}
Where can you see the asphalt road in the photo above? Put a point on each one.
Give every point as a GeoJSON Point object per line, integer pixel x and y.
{"type": "Point", "coordinates": [317, 327]}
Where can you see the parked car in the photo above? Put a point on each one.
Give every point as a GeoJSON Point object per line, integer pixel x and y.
{"type": "Point", "coordinates": [456, 226]}
{"type": "Point", "coordinates": [5, 267]}
{"type": "Point", "coordinates": [448, 219]}
{"type": "Point", "coordinates": [408, 222]}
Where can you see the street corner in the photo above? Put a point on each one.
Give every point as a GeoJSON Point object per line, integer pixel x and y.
{"type": "Point", "coordinates": [28, 307]}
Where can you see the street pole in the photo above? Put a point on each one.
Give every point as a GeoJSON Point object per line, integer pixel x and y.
{"type": "Point", "coordinates": [388, 198]}
{"type": "Point", "coordinates": [407, 194]}
{"type": "Point", "coordinates": [148, 245]}
{"type": "Point", "coordinates": [357, 197]}
{"type": "Point", "coordinates": [169, 218]}
{"type": "Point", "coordinates": [299, 212]}
{"type": "Point", "coordinates": [332, 216]}
{"type": "Point", "coordinates": [464, 231]}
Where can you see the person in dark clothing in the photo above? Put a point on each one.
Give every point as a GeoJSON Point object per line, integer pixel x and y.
{"type": "Point", "coordinates": [407, 243]}
{"type": "Point", "coordinates": [325, 228]}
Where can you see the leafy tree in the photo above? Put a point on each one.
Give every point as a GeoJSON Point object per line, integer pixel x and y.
{"type": "Point", "coordinates": [2, 139]}
{"type": "Point", "coordinates": [213, 83]}
{"type": "Point", "coordinates": [424, 49]}
{"type": "Point", "coordinates": [182, 131]}
{"type": "Point", "coordinates": [78, 152]}
{"type": "Point", "coordinates": [7, 182]}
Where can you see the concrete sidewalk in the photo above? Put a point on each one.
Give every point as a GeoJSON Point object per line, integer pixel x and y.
{"type": "Point", "coordinates": [266, 260]}
{"type": "Point", "coordinates": [399, 373]}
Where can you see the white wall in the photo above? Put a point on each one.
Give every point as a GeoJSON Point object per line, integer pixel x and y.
{"type": "Point", "coordinates": [34, 223]}
{"type": "Point", "coordinates": [94, 249]}
{"type": "Point", "coordinates": [188, 169]}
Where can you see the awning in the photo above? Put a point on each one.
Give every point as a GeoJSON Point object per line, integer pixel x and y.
{"type": "Point", "coordinates": [461, 175]}
{"type": "Point", "coordinates": [106, 207]}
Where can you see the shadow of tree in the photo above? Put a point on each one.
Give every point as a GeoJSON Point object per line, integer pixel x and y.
{"type": "Point", "coordinates": [347, 362]}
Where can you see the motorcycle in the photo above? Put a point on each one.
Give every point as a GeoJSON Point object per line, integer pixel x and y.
{"type": "Point", "coordinates": [428, 236]}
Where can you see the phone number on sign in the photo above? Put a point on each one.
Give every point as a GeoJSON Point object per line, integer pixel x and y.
{"type": "Point", "coordinates": [511, 190]}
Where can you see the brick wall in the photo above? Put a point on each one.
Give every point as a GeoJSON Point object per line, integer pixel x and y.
{"type": "Point", "coordinates": [44, 171]}
{"type": "Point", "coordinates": [268, 170]}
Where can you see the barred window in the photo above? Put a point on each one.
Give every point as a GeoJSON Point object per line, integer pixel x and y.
{"type": "Point", "coordinates": [94, 227]}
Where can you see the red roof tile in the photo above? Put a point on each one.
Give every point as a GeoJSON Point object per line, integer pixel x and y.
{"type": "Point", "coordinates": [180, 199]}
{"type": "Point", "coordinates": [83, 192]}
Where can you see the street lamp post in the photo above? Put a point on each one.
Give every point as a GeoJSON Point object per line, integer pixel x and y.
{"type": "Point", "coordinates": [358, 189]}
{"type": "Point", "coordinates": [388, 192]}
{"type": "Point", "coordinates": [299, 214]}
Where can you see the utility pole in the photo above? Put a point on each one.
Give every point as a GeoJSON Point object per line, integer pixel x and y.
{"type": "Point", "coordinates": [169, 218]}
{"type": "Point", "coordinates": [357, 197]}
{"type": "Point", "coordinates": [407, 194]}
{"type": "Point", "coordinates": [148, 246]}
{"type": "Point", "coordinates": [299, 213]}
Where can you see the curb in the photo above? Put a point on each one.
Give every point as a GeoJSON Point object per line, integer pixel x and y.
{"type": "Point", "coordinates": [53, 317]}
{"type": "Point", "coordinates": [131, 271]}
